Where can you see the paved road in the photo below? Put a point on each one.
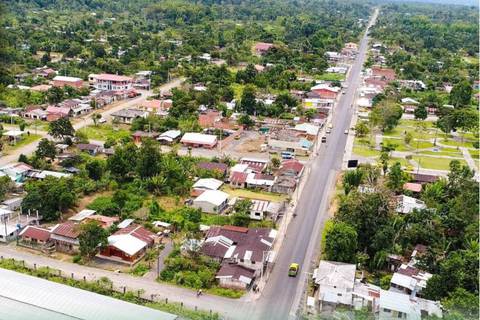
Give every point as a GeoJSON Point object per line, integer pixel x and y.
{"type": "Point", "coordinates": [87, 120]}
{"type": "Point", "coordinates": [283, 294]}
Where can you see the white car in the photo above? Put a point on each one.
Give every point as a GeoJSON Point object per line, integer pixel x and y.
{"type": "Point", "coordinates": [102, 120]}
{"type": "Point", "coordinates": [346, 131]}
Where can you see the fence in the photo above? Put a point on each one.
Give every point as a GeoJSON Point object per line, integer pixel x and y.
{"type": "Point", "coordinates": [102, 286]}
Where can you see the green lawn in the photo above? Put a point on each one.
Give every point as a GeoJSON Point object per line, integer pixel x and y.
{"type": "Point", "coordinates": [451, 152]}
{"type": "Point", "coordinates": [435, 163]}
{"type": "Point", "coordinates": [365, 151]}
{"type": "Point", "coordinates": [26, 139]}
{"type": "Point", "coordinates": [404, 162]}
{"type": "Point", "coordinates": [104, 131]}
{"type": "Point", "coordinates": [330, 77]}
{"type": "Point", "coordinates": [399, 143]}
{"type": "Point", "coordinates": [475, 154]}
{"type": "Point", "coordinates": [261, 195]}
{"type": "Point", "coordinates": [453, 143]}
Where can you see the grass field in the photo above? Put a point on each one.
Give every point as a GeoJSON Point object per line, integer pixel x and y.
{"type": "Point", "coordinates": [330, 77]}
{"type": "Point", "coordinates": [261, 195]}
{"type": "Point", "coordinates": [475, 154]}
{"type": "Point", "coordinates": [435, 163]}
{"type": "Point", "coordinates": [104, 131]}
{"type": "Point", "coordinates": [26, 139]}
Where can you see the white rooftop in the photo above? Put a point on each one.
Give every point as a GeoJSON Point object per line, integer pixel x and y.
{"type": "Point", "coordinates": [125, 223]}
{"type": "Point", "coordinates": [127, 243]}
{"type": "Point", "coordinates": [308, 128]}
{"type": "Point", "coordinates": [338, 274]}
{"type": "Point", "coordinates": [208, 184]}
{"type": "Point", "coordinates": [27, 297]}
{"type": "Point", "coordinates": [82, 215]}
{"type": "Point", "coordinates": [215, 197]}
{"type": "Point", "coordinates": [199, 138]}
{"type": "Point", "coordinates": [406, 204]}
{"type": "Point", "coordinates": [66, 79]}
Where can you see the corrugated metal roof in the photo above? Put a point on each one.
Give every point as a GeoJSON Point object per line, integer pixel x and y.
{"type": "Point", "coordinates": [53, 301]}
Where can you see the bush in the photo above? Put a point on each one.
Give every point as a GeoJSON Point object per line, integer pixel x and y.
{"type": "Point", "coordinates": [224, 292]}
{"type": "Point", "coordinates": [104, 206]}
{"type": "Point", "coordinates": [140, 270]}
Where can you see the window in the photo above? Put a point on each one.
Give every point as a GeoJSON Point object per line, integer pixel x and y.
{"type": "Point", "coordinates": [386, 310]}
{"type": "Point", "coordinates": [339, 294]}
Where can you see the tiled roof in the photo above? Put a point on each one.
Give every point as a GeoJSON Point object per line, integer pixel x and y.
{"type": "Point", "coordinates": [238, 177]}
{"type": "Point", "coordinates": [235, 271]}
{"type": "Point", "coordinates": [138, 232]}
{"type": "Point", "coordinates": [213, 166]}
{"type": "Point", "coordinates": [34, 232]}
{"type": "Point", "coordinates": [67, 229]}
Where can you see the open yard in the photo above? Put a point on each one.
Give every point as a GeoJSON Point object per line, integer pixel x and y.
{"type": "Point", "coordinates": [435, 162]}
{"type": "Point", "coordinates": [261, 195]}
{"type": "Point", "coordinates": [26, 139]}
{"type": "Point", "coordinates": [105, 131]}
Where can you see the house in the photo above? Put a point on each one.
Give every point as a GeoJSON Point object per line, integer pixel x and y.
{"type": "Point", "coordinates": [333, 56]}
{"type": "Point", "coordinates": [395, 305]}
{"type": "Point", "coordinates": [364, 102]}
{"type": "Point", "coordinates": [65, 237]}
{"type": "Point", "coordinates": [104, 221]}
{"type": "Point", "coordinates": [423, 178]}
{"type": "Point", "coordinates": [255, 164]}
{"type": "Point", "coordinates": [202, 185]}
{"type": "Point", "coordinates": [260, 181]}
{"type": "Point", "coordinates": [156, 106]}
{"type": "Point", "coordinates": [13, 203]}
{"type": "Point", "coordinates": [170, 136]}
{"type": "Point", "coordinates": [34, 236]}
{"type": "Point", "coordinates": [128, 244]}
{"type": "Point", "coordinates": [112, 82]}
{"type": "Point", "coordinates": [218, 167]}
{"type": "Point", "coordinates": [335, 282]}
{"type": "Point", "coordinates": [325, 91]}
{"type": "Point", "coordinates": [200, 140]}
{"type": "Point", "coordinates": [55, 113]}
{"type": "Point", "coordinates": [409, 105]}
{"type": "Point", "coordinates": [82, 215]}
{"type": "Point", "coordinates": [13, 136]}
{"type": "Point", "coordinates": [76, 106]}
{"type": "Point", "coordinates": [413, 187]}
{"type": "Point", "coordinates": [238, 179]}
{"type": "Point", "coordinates": [235, 276]}
{"type": "Point", "coordinates": [351, 46]}
{"type": "Point", "coordinates": [308, 129]}
{"type": "Point", "coordinates": [138, 136]}
{"type": "Point", "coordinates": [211, 201]}
{"type": "Point", "coordinates": [385, 74]}
{"type": "Point", "coordinates": [262, 47]}
{"type": "Point", "coordinates": [44, 72]}
{"type": "Point", "coordinates": [62, 81]}
{"type": "Point", "coordinates": [128, 115]}
{"type": "Point", "coordinates": [36, 114]}
{"type": "Point", "coordinates": [413, 84]}
{"type": "Point", "coordinates": [292, 168]}
{"type": "Point", "coordinates": [289, 141]}
{"type": "Point", "coordinates": [16, 171]}
{"type": "Point", "coordinates": [89, 148]}
{"type": "Point", "coordinates": [41, 88]}
{"type": "Point", "coordinates": [260, 209]}
{"type": "Point", "coordinates": [249, 247]}
{"type": "Point", "coordinates": [409, 280]}
{"type": "Point", "coordinates": [284, 184]}
{"type": "Point", "coordinates": [42, 174]}
{"type": "Point", "coordinates": [406, 204]}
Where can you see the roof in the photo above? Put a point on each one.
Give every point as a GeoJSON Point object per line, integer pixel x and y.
{"type": "Point", "coordinates": [66, 79]}
{"type": "Point", "coordinates": [27, 297]}
{"type": "Point", "coordinates": [236, 272]}
{"type": "Point", "coordinates": [208, 183]}
{"type": "Point", "coordinates": [112, 77]}
{"type": "Point", "coordinates": [138, 232]}
{"type": "Point", "coordinates": [129, 113]}
{"type": "Point", "coordinates": [103, 219]}
{"type": "Point", "coordinates": [67, 229]}
{"type": "Point", "coordinates": [87, 146]}
{"type": "Point", "coordinates": [82, 215]}
{"type": "Point", "coordinates": [259, 205]}
{"type": "Point", "coordinates": [406, 204]}
{"type": "Point", "coordinates": [324, 86]}
{"type": "Point", "coordinates": [308, 128]}
{"type": "Point", "coordinates": [291, 165]}
{"type": "Point", "coordinates": [263, 46]}
{"type": "Point", "coordinates": [58, 110]}
{"type": "Point", "coordinates": [338, 274]}
{"type": "Point", "coordinates": [414, 187]}
{"type": "Point", "coordinates": [238, 242]}
{"type": "Point", "coordinates": [126, 243]}
{"type": "Point", "coordinates": [145, 134]}
{"type": "Point", "coordinates": [199, 138]}
{"type": "Point", "coordinates": [35, 232]}
{"type": "Point", "coordinates": [238, 177]}
{"type": "Point", "coordinates": [213, 166]}
{"type": "Point", "coordinates": [125, 223]}
{"type": "Point", "coordinates": [409, 101]}
{"type": "Point", "coordinates": [399, 302]}
{"type": "Point", "coordinates": [172, 134]}
{"type": "Point", "coordinates": [254, 164]}
{"type": "Point", "coordinates": [216, 197]}
{"type": "Point", "coordinates": [426, 178]}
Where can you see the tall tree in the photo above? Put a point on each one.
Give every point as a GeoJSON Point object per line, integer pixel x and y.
{"type": "Point", "coordinates": [92, 238]}
{"type": "Point", "coordinates": [46, 149]}
{"type": "Point", "coordinates": [61, 128]}
{"type": "Point", "coordinates": [341, 242]}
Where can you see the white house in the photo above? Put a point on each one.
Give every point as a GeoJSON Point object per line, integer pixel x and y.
{"type": "Point", "coordinates": [207, 184]}
{"type": "Point", "coordinates": [211, 201]}
{"type": "Point", "coordinates": [409, 280]}
{"type": "Point", "coordinates": [406, 204]}
{"type": "Point", "coordinates": [195, 139]}
{"type": "Point", "coordinates": [335, 281]}
{"type": "Point", "coordinates": [395, 305]}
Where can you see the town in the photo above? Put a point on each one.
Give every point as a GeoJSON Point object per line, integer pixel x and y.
{"type": "Point", "coordinates": [245, 179]}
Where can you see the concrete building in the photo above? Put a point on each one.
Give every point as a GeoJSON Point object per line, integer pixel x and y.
{"type": "Point", "coordinates": [112, 82]}
{"type": "Point", "coordinates": [211, 201]}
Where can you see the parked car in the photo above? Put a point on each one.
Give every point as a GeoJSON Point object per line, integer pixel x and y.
{"type": "Point", "coordinates": [324, 139]}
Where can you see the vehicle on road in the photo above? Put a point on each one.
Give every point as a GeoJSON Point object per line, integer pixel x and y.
{"type": "Point", "coordinates": [330, 126]}
{"type": "Point", "coordinates": [328, 131]}
{"type": "Point", "coordinates": [286, 155]}
{"type": "Point", "coordinates": [346, 131]}
{"type": "Point", "coordinates": [102, 120]}
{"type": "Point", "coordinates": [293, 270]}
{"type": "Point", "coordinates": [324, 139]}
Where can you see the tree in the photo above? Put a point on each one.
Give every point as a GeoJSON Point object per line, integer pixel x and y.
{"type": "Point", "coordinates": [241, 217]}
{"type": "Point", "coordinates": [61, 128]}
{"type": "Point", "coordinates": [5, 185]}
{"type": "Point", "coordinates": [96, 117]}
{"type": "Point", "coordinates": [92, 237]}
{"type": "Point", "coordinates": [461, 94]}
{"type": "Point", "coordinates": [55, 95]}
{"type": "Point", "coordinates": [385, 156]}
{"type": "Point", "coordinates": [386, 115]}
{"type": "Point", "coordinates": [46, 149]}
{"type": "Point", "coordinates": [396, 178]}
{"type": "Point", "coordinates": [352, 179]}
{"type": "Point", "coordinates": [95, 169]}
{"type": "Point", "coordinates": [341, 242]}
{"type": "Point", "coordinates": [123, 162]}
{"type": "Point", "coordinates": [148, 159]}
{"type": "Point", "coordinates": [420, 112]}
{"type": "Point", "coordinates": [275, 161]}
{"type": "Point", "coordinates": [50, 196]}
{"type": "Point", "coordinates": [361, 129]}
{"type": "Point", "coordinates": [408, 137]}
{"type": "Point", "coordinates": [246, 121]}
{"type": "Point", "coordinates": [248, 104]}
